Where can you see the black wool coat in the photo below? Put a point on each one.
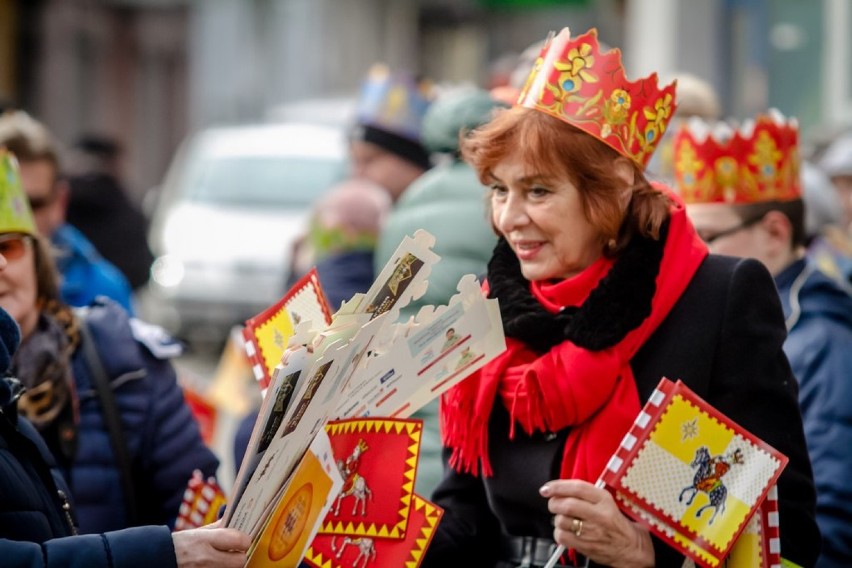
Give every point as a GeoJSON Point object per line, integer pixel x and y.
{"type": "Point", "coordinates": [723, 338]}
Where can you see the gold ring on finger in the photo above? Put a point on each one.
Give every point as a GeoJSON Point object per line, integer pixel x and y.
{"type": "Point", "coordinates": [577, 527]}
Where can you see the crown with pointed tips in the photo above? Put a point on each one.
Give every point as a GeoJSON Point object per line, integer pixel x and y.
{"type": "Point", "coordinates": [574, 82]}
{"type": "Point", "coordinates": [755, 163]}
{"type": "Point", "coordinates": [15, 213]}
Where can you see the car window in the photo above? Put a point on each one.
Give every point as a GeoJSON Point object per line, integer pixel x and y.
{"type": "Point", "coordinates": [250, 181]}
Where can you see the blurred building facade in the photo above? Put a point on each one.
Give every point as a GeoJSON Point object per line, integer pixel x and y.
{"type": "Point", "coordinates": [150, 71]}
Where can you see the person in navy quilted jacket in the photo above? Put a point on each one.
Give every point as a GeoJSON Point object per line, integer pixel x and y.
{"type": "Point", "coordinates": [160, 436]}
{"type": "Point", "coordinates": [36, 516]}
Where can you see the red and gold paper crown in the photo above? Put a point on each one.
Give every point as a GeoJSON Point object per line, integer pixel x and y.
{"type": "Point", "coordinates": [573, 81]}
{"type": "Point", "coordinates": [755, 163]}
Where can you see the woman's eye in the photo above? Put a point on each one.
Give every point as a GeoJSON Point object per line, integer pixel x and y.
{"type": "Point", "coordinates": [498, 190]}
{"type": "Point", "coordinates": [539, 191]}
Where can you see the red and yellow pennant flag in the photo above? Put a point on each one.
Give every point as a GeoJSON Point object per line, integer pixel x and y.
{"type": "Point", "coordinates": [336, 551]}
{"type": "Point", "coordinates": [691, 474]}
{"type": "Point", "coordinates": [377, 459]}
{"type": "Point", "coordinates": [266, 334]}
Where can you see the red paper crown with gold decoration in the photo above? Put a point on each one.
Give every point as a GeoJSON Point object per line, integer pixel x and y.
{"type": "Point", "coordinates": [755, 163]}
{"type": "Point", "coordinates": [573, 81]}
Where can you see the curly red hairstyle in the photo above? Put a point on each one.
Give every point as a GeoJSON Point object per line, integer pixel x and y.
{"type": "Point", "coordinates": [554, 149]}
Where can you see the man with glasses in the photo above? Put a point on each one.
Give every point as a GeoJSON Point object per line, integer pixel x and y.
{"type": "Point", "coordinates": [85, 273]}
{"type": "Point", "coordinates": [742, 190]}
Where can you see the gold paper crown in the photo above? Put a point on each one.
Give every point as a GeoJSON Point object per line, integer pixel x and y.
{"type": "Point", "coordinates": [573, 81]}
{"type": "Point", "coordinates": [752, 164]}
{"type": "Point", "coordinates": [15, 214]}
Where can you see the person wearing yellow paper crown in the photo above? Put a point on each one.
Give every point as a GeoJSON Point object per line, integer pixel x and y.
{"type": "Point", "coordinates": [742, 187]}
{"type": "Point", "coordinates": [604, 288]}
{"type": "Point", "coordinates": [62, 355]}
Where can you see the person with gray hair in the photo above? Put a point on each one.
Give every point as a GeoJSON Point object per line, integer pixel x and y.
{"type": "Point", "coordinates": [837, 164]}
{"type": "Point", "coordinates": [828, 247]}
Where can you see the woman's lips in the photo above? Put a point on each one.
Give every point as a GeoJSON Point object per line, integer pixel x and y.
{"type": "Point", "coordinates": [527, 250]}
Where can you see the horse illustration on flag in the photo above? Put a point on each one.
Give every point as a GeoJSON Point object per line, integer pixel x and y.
{"type": "Point", "coordinates": [366, 549]}
{"type": "Point", "coordinates": [377, 459]}
{"type": "Point", "coordinates": [681, 458]}
{"type": "Point", "coordinates": [354, 484]}
{"type": "Point", "coordinates": [708, 479]}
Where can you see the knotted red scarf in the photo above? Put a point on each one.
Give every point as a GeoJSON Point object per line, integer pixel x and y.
{"type": "Point", "coordinates": [592, 392]}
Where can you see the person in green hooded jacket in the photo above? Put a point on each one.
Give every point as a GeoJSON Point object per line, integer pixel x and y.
{"type": "Point", "coordinates": [449, 202]}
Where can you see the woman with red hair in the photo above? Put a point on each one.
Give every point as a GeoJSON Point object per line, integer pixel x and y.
{"type": "Point", "coordinates": [604, 288]}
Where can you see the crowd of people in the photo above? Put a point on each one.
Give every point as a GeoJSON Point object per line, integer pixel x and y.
{"type": "Point", "coordinates": [629, 234]}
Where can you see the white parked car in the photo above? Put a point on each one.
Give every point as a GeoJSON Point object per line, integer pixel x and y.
{"type": "Point", "coordinates": [232, 204]}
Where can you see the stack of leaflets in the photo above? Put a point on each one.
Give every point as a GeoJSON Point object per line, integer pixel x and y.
{"type": "Point", "coordinates": [361, 364]}
{"type": "Point", "coordinates": [699, 481]}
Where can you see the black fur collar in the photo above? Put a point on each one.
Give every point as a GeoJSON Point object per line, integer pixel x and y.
{"type": "Point", "coordinates": [619, 303]}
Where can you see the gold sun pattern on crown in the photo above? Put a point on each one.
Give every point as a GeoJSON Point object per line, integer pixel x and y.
{"type": "Point", "coordinates": [752, 165]}
{"type": "Point", "coordinates": [574, 82]}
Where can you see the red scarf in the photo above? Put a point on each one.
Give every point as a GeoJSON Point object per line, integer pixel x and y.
{"type": "Point", "coordinates": [592, 392]}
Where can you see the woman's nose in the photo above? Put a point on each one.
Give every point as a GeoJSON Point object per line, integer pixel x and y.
{"type": "Point", "coordinates": [510, 215]}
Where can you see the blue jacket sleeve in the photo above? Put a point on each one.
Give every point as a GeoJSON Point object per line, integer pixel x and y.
{"type": "Point", "coordinates": [129, 548]}
{"type": "Point", "coordinates": [824, 368]}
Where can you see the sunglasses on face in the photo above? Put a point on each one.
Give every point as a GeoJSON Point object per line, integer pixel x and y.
{"type": "Point", "coordinates": [13, 246]}
{"type": "Point", "coordinates": [39, 203]}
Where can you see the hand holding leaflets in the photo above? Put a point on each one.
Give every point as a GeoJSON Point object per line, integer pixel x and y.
{"type": "Point", "coordinates": [351, 380]}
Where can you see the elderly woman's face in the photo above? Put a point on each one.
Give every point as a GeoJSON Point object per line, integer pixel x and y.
{"type": "Point", "coordinates": [18, 286]}
{"type": "Point", "coordinates": [543, 221]}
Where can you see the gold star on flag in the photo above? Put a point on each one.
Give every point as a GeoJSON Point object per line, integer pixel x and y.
{"type": "Point", "coordinates": [689, 429]}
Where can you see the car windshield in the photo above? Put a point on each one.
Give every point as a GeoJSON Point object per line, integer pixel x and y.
{"type": "Point", "coordinates": [250, 181]}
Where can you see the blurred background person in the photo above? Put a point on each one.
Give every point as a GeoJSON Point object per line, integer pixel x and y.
{"type": "Point", "coordinates": [827, 245]}
{"type": "Point", "coordinates": [100, 208]}
{"type": "Point", "coordinates": [385, 147]}
{"type": "Point", "coordinates": [99, 386]}
{"type": "Point", "coordinates": [36, 515]}
{"type": "Point", "coordinates": [85, 273]}
{"type": "Point", "coordinates": [836, 162]}
{"type": "Point", "coordinates": [752, 214]}
{"type": "Point", "coordinates": [695, 97]}
{"type": "Point", "coordinates": [449, 202]}
{"type": "Point", "coordinates": [385, 144]}
{"type": "Point", "coordinates": [342, 237]}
